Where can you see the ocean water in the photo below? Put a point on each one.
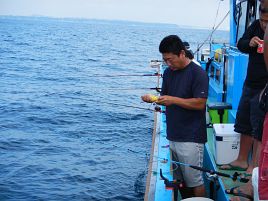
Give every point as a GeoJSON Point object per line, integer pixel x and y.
{"type": "Point", "coordinates": [68, 130]}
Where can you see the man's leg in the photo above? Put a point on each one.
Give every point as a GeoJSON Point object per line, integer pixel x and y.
{"type": "Point", "coordinates": [246, 142]}
{"type": "Point", "coordinates": [249, 120]}
{"type": "Point", "coordinates": [257, 120]}
{"type": "Point", "coordinates": [190, 153]}
{"type": "Point", "coordinates": [255, 155]}
{"type": "Point", "coordinates": [247, 189]}
{"type": "Point", "coordinates": [199, 191]}
{"type": "Point", "coordinates": [243, 126]}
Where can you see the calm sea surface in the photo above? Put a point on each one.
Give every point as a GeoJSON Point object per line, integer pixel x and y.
{"type": "Point", "coordinates": [63, 135]}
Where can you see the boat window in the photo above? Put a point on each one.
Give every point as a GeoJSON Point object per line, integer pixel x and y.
{"type": "Point", "coordinates": [257, 13]}
{"type": "Point", "coordinates": [212, 71]}
{"type": "Point", "coordinates": [246, 13]}
{"type": "Point", "coordinates": [218, 75]}
{"type": "Point", "coordinates": [225, 78]}
{"type": "Point", "coordinates": [253, 13]}
{"type": "Point", "coordinates": [241, 18]}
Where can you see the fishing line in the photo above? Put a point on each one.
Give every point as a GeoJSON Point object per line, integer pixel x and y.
{"type": "Point", "coordinates": [170, 171]}
{"type": "Point", "coordinates": [123, 105]}
{"type": "Point", "coordinates": [142, 154]}
{"type": "Point", "coordinates": [162, 160]}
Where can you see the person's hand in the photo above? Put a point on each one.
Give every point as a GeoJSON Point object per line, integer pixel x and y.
{"type": "Point", "coordinates": [255, 41]}
{"type": "Point", "coordinates": [165, 100]}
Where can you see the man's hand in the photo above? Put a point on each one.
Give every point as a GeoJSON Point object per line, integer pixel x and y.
{"type": "Point", "coordinates": [255, 41]}
{"type": "Point", "coordinates": [165, 100]}
{"type": "Point", "coordinates": [188, 103]}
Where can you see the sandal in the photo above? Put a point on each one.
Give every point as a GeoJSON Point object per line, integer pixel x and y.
{"type": "Point", "coordinates": [238, 193]}
{"type": "Point", "coordinates": [232, 167]}
{"type": "Point", "coordinates": [245, 175]}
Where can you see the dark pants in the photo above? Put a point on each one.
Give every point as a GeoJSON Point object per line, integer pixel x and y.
{"type": "Point", "coordinates": [249, 116]}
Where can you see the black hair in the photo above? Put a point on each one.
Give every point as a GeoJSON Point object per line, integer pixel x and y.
{"type": "Point", "coordinates": [186, 45]}
{"type": "Point", "coordinates": [189, 53]}
{"type": "Point", "coordinates": [171, 44]}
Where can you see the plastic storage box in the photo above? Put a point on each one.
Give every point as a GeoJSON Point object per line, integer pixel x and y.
{"type": "Point", "coordinates": [226, 143]}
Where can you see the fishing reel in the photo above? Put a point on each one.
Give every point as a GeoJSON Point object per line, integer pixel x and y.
{"type": "Point", "coordinates": [158, 109]}
{"type": "Point", "coordinates": [171, 185]}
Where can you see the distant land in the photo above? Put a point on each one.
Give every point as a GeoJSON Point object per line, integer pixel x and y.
{"type": "Point", "coordinates": [105, 21]}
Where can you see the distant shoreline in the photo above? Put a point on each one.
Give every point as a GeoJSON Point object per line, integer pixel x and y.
{"type": "Point", "coordinates": [107, 21]}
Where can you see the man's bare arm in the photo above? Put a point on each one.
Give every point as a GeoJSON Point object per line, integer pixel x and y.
{"type": "Point", "coordinates": [187, 103]}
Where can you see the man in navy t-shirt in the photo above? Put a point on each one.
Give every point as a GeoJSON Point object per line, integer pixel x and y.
{"type": "Point", "coordinates": [184, 93]}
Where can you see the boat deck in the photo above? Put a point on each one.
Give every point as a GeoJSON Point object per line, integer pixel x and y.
{"type": "Point", "coordinates": [156, 190]}
{"type": "Point", "coordinates": [226, 183]}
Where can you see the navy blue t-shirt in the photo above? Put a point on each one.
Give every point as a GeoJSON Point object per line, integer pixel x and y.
{"type": "Point", "coordinates": [184, 125]}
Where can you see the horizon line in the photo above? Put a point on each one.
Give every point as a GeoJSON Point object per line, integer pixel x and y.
{"type": "Point", "coordinates": [118, 20]}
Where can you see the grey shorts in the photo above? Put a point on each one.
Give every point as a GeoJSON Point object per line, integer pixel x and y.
{"type": "Point", "coordinates": [190, 153]}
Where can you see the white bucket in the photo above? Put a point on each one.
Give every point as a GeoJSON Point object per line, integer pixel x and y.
{"type": "Point", "coordinates": [226, 143]}
{"type": "Point", "coordinates": [197, 199]}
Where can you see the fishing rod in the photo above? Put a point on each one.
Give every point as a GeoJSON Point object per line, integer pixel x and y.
{"type": "Point", "coordinates": [128, 75]}
{"type": "Point", "coordinates": [158, 89]}
{"type": "Point", "coordinates": [212, 32]}
{"type": "Point", "coordinates": [234, 177]}
{"type": "Point", "coordinates": [156, 108]}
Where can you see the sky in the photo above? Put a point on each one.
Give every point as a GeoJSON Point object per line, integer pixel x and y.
{"type": "Point", "coordinates": [192, 13]}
